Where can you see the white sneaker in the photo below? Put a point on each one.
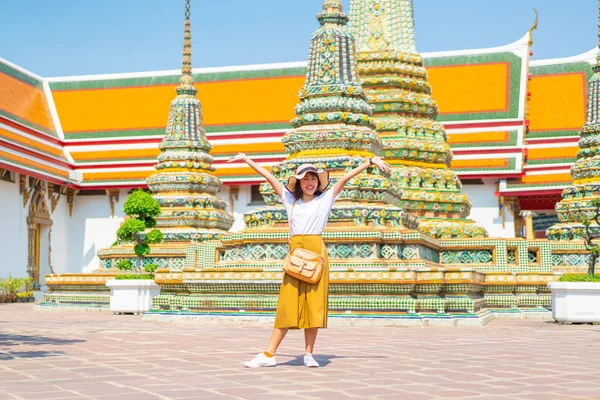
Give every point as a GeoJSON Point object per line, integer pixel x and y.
{"type": "Point", "coordinates": [309, 361]}
{"type": "Point", "coordinates": [260, 360]}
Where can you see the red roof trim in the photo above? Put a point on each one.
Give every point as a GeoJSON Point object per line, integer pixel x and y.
{"type": "Point", "coordinates": [34, 154]}
{"type": "Point", "coordinates": [30, 131]}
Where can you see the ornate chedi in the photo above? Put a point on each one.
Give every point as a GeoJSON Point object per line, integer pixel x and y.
{"type": "Point", "coordinates": [395, 82]}
{"type": "Point", "coordinates": [185, 185]}
{"type": "Point", "coordinates": [333, 129]}
{"type": "Point", "coordinates": [576, 203]}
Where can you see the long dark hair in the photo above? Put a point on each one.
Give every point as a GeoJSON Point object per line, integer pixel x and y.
{"type": "Point", "coordinates": [298, 190]}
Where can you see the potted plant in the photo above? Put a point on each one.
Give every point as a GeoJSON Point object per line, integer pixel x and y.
{"type": "Point", "coordinates": [25, 291]}
{"type": "Point", "coordinates": [133, 293]}
{"type": "Point", "coordinates": [2, 293]}
{"type": "Point", "coordinates": [11, 286]}
{"type": "Point", "coordinates": [576, 297]}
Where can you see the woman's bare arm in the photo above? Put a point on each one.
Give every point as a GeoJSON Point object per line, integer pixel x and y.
{"type": "Point", "coordinates": [277, 186]}
{"type": "Point", "coordinates": [339, 185]}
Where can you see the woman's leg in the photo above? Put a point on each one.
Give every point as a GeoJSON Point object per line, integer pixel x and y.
{"type": "Point", "coordinates": [276, 338]}
{"type": "Point", "coordinates": [310, 337]}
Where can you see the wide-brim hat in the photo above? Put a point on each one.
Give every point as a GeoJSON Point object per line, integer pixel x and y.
{"type": "Point", "coordinates": [304, 169]}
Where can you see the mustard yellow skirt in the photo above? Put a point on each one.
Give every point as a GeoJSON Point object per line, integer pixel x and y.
{"type": "Point", "coordinates": [300, 304]}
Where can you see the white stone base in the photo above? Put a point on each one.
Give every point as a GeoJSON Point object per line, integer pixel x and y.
{"type": "Point", "coordinates": [575, 301]}
{"type": "Point", "coordinates": [132, 296]}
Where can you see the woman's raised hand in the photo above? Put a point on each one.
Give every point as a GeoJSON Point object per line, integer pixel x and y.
{"type": "Point", "coordinates": [238, 157]}
{"type": "Point", "coordinates": [382, 165]}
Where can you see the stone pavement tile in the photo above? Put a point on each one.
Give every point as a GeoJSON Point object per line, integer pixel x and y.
{"type": "Point", "coordinates": [325, 394]}
{"type": "Point", "coordinates": [508, 389]}
{"type": "Point", "coordinates": [28, 387]}
{"type": "Point", "coordinates": [410, 377]}
{"type": "Point", "coordinates": [243, 391]}
{"type": "Point", "coordinates": [545, 396]}
{"type": "Point", "coordinates": [456, 394]}
{"type": "Point", "coordinates": [407, 395]}
{"type": "Point", "coordinates": [281, 395]}
{"type": "Point", "coordinates": [469, 387]}
{"type": "Point", "coordinates": [503, 374]}
{"type": "Point", "coordinates": [45, 395]}
{"type": "Point", "coordinates": [129, 396]}
{"type": "Point", "coordinates": [581, 394]}
{"type": "Point", "coordinates": [181, 393]}
{"type": "Point", "coordinates": [344, 384]}
{"type": "Point", "coordinates": [367, 392]}
{"type": "Point", "coordinates": [100, 388]}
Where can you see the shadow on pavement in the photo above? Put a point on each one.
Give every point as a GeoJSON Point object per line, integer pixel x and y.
{"type": "Point", "coordinates": [323, 359]}
{"type": "Point", "coordinates": [11, 355]}
{"type": "Point", "coordinates": [9, 340]}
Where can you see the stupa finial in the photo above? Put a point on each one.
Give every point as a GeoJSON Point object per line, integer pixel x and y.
{"type": "Point", "coordinates": [332, 13]}
{"type": "Point", "coordinates": [186, 82]}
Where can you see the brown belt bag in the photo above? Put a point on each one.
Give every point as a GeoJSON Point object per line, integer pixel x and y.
{"type": "Point", "coordinates": [304, 264]}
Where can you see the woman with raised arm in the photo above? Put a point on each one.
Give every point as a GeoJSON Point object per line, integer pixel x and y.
{"type": "Point", "coordinates": [302, 305]}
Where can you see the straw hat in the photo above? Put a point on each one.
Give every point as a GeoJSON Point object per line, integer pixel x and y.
{"type": "Point", "coordinates": [302, 170]}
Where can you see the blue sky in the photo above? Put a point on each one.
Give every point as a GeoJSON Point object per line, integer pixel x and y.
{"type": "Point", "coordinates": [81, 37]}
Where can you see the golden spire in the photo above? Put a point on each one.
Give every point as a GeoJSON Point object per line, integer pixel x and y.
{"type": "Point", "coordinates": [534, 26]}
{"type": "Point", "coordinates": [186, 82]}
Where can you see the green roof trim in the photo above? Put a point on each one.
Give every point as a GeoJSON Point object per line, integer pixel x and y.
{"type": "Point", "coordinates": [28, 123]}
{"type": "Point", "coordinates": [510, 141]}
{"type": "Point", "coordinates": [20, 76]}
{"type": "Point", "coordinates": [160, 132]}
{"type": "Point", "coordinates": [551, 134]}
{"type": "Point", "coordinates": [556, 69]}
{"type": "Point", "coordinates": [174, 79]}
{"type": "Point", "coordinates": [121, 133]}
{"type": "Point", "coordinates": [511, 167]}
{"type": "Point", "coordinates": [544, 161]}
{"type": "Point", "coordinates": [557, 185]}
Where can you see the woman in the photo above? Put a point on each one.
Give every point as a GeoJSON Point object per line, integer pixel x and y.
{"type": "Point", "coordinates": [302, 305]}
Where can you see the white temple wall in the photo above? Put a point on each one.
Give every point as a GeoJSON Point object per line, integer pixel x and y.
{"type": "Point", "coordinates": [242, 205]}
{"type": "Point", "coordinates": [60, 238]}
{"type": "Point", "coordinates": [13, 232]}
{"type": "Point", "coordinates": [485, 209]}
{"type": "Point", "coordinates": [92, 228]}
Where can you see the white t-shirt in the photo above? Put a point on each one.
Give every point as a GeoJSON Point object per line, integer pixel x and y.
{"type": "Point", "coordinates": [308, 218]}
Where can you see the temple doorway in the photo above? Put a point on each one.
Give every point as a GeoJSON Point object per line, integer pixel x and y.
{"type": "Point", "coordinates": [39, 226]}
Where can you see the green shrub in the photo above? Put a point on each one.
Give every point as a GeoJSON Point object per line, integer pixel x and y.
{"type": "Point", "coordinates": [141, 208]}
{"type": "Point", "coordinates": [125, 265]}
{"type": "Point", "coordinates": [134, 276]}
{"type": "Point", "coordinates": [154, 236]}
{"type": "Point", "coordinates": [151, 268]}
{"type": "Point", "coordinates": [579, 278]}
{"type": "Point", "coordinates": [129, 228]}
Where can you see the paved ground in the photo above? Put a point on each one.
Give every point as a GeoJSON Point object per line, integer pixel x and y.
{"type": "Point", "coordinates": [48, 355]}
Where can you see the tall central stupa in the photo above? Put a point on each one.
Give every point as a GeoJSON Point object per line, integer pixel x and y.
{"type": "Point", "coordinates": [394, 78]}
{"type": "Point", "coordinates": [333, 129]}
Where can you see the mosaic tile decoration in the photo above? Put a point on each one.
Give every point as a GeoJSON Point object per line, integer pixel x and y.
{"type": "Point", "coordinates": [395, 82]}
